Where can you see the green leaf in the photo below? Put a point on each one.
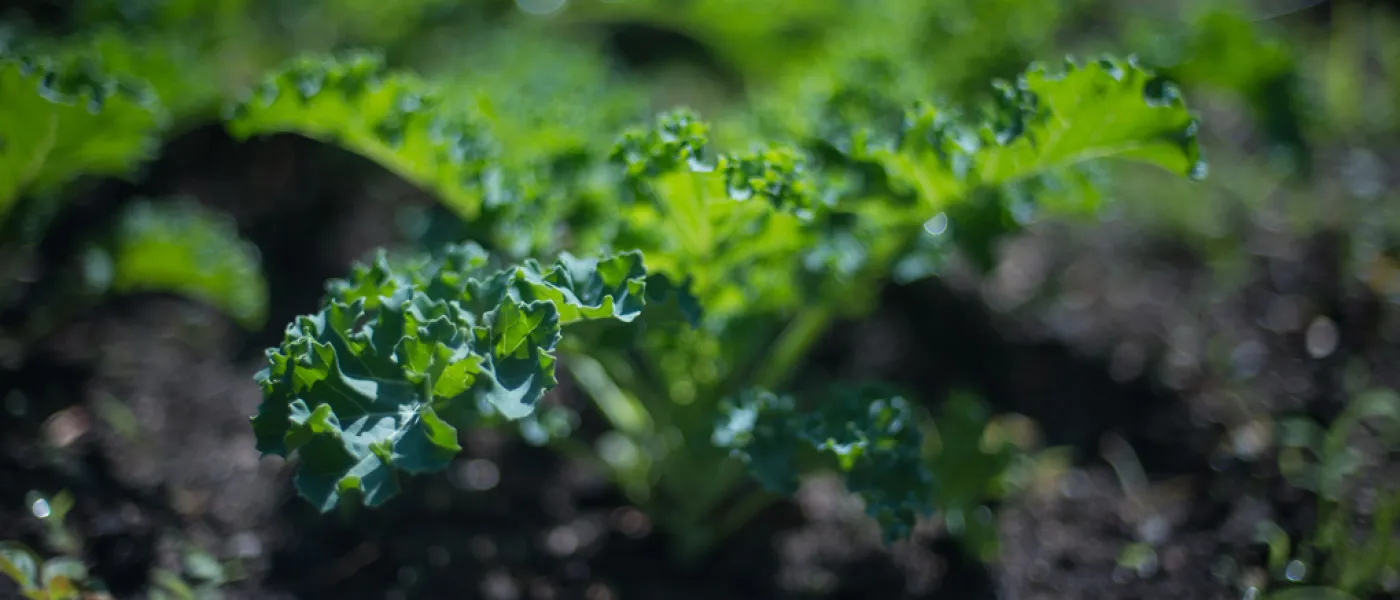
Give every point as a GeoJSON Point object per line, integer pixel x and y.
{"type": "Point", "coordinates": [870, 434]}
{"type": "Point", "coordinates": [396, 119]}
{"type": "Point", "coordinates": [64, 577]}
{"type": "Point", "coordinates": [1271, 534]}
{"type": "Point", "coordinates": [185, 64]}
{"type": "Point", "coordinates": [358, 453]}
{"type": "Point", "coordinates": [1047, 121]}
{"type": "Point", "coordinates": [774, 173]}
{"type": "Point", "coordinates": [63, 118]}
{"type": "Point", "coordinates": [171, 586]}
{"type": "Point", "coordinates": [20, 563]}
{"type": "Point", "coordinates": [687, 211]}
{"type": "Point", "coordinates": [203, 566]}
{"type": "Point", "coordinates": [1341, 462]}
{"type": "Point", "coordinates": [678, 140]}
{"type": "Point", "coordinates": [184, 248]}
{"type": "Point", "coordinates": [406, 351]}
{"type": "Point", "coordinates": [520, 366]}
{"type": "Point", "coordinates": [328, 397]}
{"type": "Point", "coordinates": [758, 427]}
{"type": "Point", "coordinates": [583, 288]}
{"type": "Point", "coordinates": [664, 292]}
{"type": "Point", "coordinates": [1099, 109]}
{"type": "Point", "coordinates": [972, 179]}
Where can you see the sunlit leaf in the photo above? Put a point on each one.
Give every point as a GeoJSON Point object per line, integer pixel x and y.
{"type": "Point", "coordinates": [394, 118]}
{"type": "Point", "coordinates": [61, 118]}
{"type": "Point", "coordinates": [189, 250]}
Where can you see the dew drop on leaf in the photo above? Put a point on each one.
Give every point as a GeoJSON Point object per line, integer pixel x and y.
{"type": "Point", "coordinates": [309, 85]}
{"type": "Point", "coordinates": [267, 93]}
{"type": "Point", "coordinates": [40, 508]}
{"type": "Point", "coordinates": [1295, 571]}
{"type": "Point", "coordinates": [937, 225]}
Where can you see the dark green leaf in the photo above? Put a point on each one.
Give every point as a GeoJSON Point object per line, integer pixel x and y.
{"type": "Point", "coordinates": [403, 349]}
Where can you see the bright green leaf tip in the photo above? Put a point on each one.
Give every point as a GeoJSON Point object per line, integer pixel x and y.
{"type": "Point", "coordinates": [395, 118]}
{"type": "Point", "coordinates": [184, 248]}
{"type": "Point", "coordinates": [1067, 111]}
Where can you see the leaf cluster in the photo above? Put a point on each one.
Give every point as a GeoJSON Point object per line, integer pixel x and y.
{"type": "Point", "coordinates": [869, 435]}
{"type": "Point", "coordinates": [404, 352]}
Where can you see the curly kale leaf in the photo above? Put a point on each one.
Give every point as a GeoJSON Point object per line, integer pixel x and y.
{"type": "Point", "coordinates": [971, 179]}
{"type": "Point", "coordinates": [1102, 108]}
{"type": "Point", "coordinates": [63, 118]}
{"type": "Point", "coordinates": [678, 140]}
{"type": "Point", "coordinates": [554, 112]}
{"type": "Point", "coordinates": [1045, 122]}
{"type": "Point", "coordinates": [585, 288]}
{"type": "Point", "coordinates": [404, 352]}
{"type": "Point", "coordinates": [689, 213]}
{"type": "Point", "coordinates": [676, 297]}
{"type": "Point", "coordinates": [760, 428]}
{"type": "Point", "coordinates": [396, 119]}
{"type": "Point", "coordinates": [774, 173]}
{"type": "Point", "coordinates": [868, 434]}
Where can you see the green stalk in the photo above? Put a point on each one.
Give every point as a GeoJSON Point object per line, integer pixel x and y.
{"type": "Point", "coordinates": [791, 347]}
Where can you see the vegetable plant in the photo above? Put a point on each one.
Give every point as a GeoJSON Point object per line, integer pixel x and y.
{"type": "Point", "coordinates": [717, 268]}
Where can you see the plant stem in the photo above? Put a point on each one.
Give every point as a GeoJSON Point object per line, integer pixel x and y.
{"type": "Point", "coordinates": [791, 347]}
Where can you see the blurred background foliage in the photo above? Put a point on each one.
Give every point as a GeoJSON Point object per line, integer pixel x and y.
{"type": "Point", "coordinates": [1283, 264]}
